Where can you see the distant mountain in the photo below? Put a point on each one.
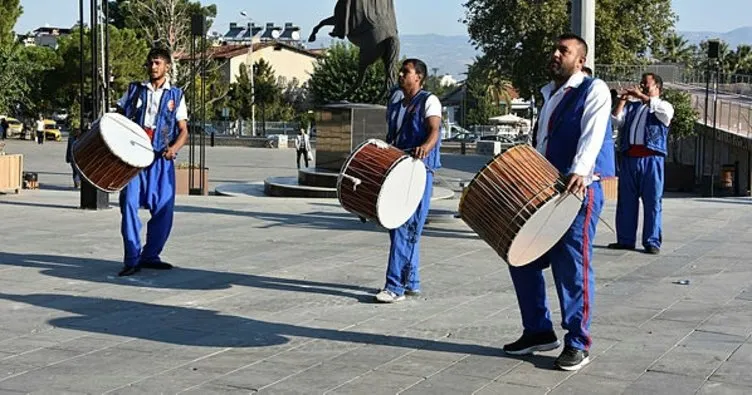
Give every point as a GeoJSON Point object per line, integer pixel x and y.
{"type": "Point", "coordinates": [449, 54]}
{"type": "Point", "coordinates": [742, 35]}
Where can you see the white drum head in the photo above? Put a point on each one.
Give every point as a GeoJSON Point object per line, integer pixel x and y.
{"type": "Point", "coordinates": [126, 140]}
{"type": "Point", "coordinates": [401, 192]}
{"type": "Point", "coordinates": [543, 230]}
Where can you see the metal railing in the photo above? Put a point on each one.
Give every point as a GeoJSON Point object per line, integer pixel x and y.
{"type": "Point", "coordinates": [242, 128]}
{"type": "Point", "coordinates": [740, 84]}
{"type": "Point", "coordinates": [731, 116]}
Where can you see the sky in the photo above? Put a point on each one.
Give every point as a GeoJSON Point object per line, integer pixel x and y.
{"type": "Point", "coordinates": [413, 16]}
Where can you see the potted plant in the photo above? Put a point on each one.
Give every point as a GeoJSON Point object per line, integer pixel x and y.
{"type": "Point", "coordinates": [182, 178]}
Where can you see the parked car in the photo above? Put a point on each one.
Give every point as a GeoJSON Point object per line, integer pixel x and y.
{"type": "Point", "coordinates": [466, 137]}
{"type": "Point", "coordinates": [51, 131]}
{"type": "Point", "coordinates": [15, 127]}
{"type": "Point", "coordinates": [60, 115]}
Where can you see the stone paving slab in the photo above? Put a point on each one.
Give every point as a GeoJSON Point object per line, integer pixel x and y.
{"type": "Point", "coordinates": [274, 295]}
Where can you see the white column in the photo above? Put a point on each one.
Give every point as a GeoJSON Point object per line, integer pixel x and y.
{"type": "Point", "coordinates": [583, 24]}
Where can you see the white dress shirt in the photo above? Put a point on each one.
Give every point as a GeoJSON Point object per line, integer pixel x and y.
{"type": "Point", "coordinates": [595, 117]}
{"type": "Point", "coordinates": [153, 98]}
{"type": "Point", "coordinates": [662, 109]}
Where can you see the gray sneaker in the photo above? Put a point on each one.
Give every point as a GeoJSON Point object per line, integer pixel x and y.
{"type": "Point", "coordinates": [386, 296]}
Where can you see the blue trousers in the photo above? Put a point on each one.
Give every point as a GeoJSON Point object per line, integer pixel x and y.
{"type": "Point", "coordinates": [640, 178]}
{"type": "Point", "coordinates": [571, 266]}
{"type": "Point", "coordinates": [76, 175]}
{"type": "Point", "coordinates": [404, 252]}
{"type": "Point", "coordinates": [153, 189]}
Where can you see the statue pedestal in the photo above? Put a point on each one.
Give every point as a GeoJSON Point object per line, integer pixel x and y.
{"type": "Point", "coordinates": [340, 128]}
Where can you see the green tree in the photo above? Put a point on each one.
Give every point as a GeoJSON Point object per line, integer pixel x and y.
{"type": "Point", "coordinates": [675, 49]}
{"type": "Point", "coordinates": [334, 74]}
{"type": "Point", "coordinates": [486, 90]}
{"type": "Point", "coordinates": [433, 85]}
{"type": "Point", "coordinates": [517, 36]}
{"type": "Point", "coordinates": [15, 76]}
{"type": "Point", "coordinates": [267, 92]}
{"type": "Point", "coordinates": [685, 117]}
{"type": "Point", "coordinates": [127, 56]}
{"type": "Point", "coordinates": [240, 96]}
{"type": "Point", "coordinates": [10, 11]}
{"type": "Point", "coordinates": [43, 62]}
{"type": "Point", "coordinates": [162, 21]}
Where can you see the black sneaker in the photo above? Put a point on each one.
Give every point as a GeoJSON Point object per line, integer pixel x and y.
{"type": "Point", "coordinates": [572, 359]}
{"type": "Point", "coordinates": [529, 343]}
{"type": "Point", "coordinates": [652, 250]}
{"type": "Point", "coordinates": [619, 246]}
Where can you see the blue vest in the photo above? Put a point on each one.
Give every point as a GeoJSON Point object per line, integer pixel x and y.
{"type": "Point", "coordinates": [655, 133]}
{"type": "Point", "coordinates": [565, 130]}
{"type": "Point", "coordinates": [166, 129]}
{"type": "Point", "coordinates": [414, 131]}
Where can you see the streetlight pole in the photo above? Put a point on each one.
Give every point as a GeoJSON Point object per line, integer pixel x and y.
{"type": "Point", "coordinates": [583, 24]}
{"type": "Point", "coordinates": [253, 82]}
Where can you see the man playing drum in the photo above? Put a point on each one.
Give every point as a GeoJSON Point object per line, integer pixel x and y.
{"type": "Point", "coordinates": [160, 109]}
{"type": "Point", "coordinates": [414, 119]}
{"type": "Point", "coordinates": [574, 134]}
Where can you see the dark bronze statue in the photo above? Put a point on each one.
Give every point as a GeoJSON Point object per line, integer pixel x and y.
{"type": "Point", "coordinates": [371, 25]}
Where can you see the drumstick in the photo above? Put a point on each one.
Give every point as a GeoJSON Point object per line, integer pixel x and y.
{"type": "Point", "coordinates": [599, 217]}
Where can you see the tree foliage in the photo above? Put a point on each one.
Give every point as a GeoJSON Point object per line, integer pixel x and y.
{"type": "Point", "coordinates": [167, 22]}
{"type": "Point", "coordinates": [127, 56]}
{"type": "Point", "coordinates": [685, 116]}
{"type": "Point", "coordinates": [517, 36]}
{"type": "Point", "coordinates": [10, 11]}
{"type": "Point", "coordinates": [674, 49]}
{"type": "Point", "coordinates": [334, 74]}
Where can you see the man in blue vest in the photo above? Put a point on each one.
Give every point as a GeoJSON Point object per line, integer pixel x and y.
{"type": "Point", "coordinates": [414, 119]}
{"type": "Point", "coordinates": [160, 109]}
{"type": "Point", "coordinates": [574, 134]}
{"type": "Point", "coordinates": [644, 125]}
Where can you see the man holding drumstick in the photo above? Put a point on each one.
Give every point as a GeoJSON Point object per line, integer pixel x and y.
{"type": "Point", "coordinates": [414, 119]}
{"type": "Point", "coordinates": [574, 134]}
{"type": "Point", "coordinates": [160, 109]}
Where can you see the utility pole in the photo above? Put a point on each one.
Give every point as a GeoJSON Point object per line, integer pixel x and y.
{"type": "Point", "coordinates": [583, 24]}
{"type": "Point", "coordinates": [91, 197]}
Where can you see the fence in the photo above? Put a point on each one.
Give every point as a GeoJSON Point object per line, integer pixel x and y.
{"type": "Point", "coordinates": [729, 115]}
{"type": "Point", "coordinates": [243, 128]}
{"type": "Point", "coordinates": [740, 84]}
{"type": "Point", "coordinates": [734, 116]}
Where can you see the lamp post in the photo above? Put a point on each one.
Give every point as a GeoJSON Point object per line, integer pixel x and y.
{"type": "Point", "coordinates": [253, 84]}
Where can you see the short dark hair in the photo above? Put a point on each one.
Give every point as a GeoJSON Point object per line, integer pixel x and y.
{"type": "Point", "coordinates": [572, 36]}
{"type": "Point", "coordinates": [657, 78]}
{"type": "Point", "coordinates": [419, 66]}
{"type": "Point", "coordinates": [159, 52]}
{"type": "Point", "coordinates": [587, 70]}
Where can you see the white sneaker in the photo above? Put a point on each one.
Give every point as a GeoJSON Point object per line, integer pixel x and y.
{"type": "Point", "coordinates": [386, 296]}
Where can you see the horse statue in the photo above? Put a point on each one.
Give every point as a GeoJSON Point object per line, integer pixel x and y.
{"type": "Point", "coordinates": [371, 25]}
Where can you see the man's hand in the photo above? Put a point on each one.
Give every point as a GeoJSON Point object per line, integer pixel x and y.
{"type": "Point", "coordinates": [421, 152]}
{"type": "Point", "coordinates": [379, 143]}
{"type": "Point", "coordinates": [576, 185]}
{"type": "Point", "coordinates": [636, 92]}
{"type": "Point", "coordinates": [170, 153]}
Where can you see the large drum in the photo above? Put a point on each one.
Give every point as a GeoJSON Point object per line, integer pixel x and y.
{"type": "Point", "coordinates": [381, 183]}
{"type": "Point", "coordinates": [518, 205]}
{"type": "Point", "coordinates": [113, 152]}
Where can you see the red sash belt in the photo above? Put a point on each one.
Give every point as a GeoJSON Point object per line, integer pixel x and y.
{"type": "Point", "coordinates": [150, 133]}
{"type": "Point", "coordinates": [640, 151]}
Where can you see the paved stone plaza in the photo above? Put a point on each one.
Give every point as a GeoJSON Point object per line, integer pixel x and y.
{"type": "Point", "coordinates": [274, 295]}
